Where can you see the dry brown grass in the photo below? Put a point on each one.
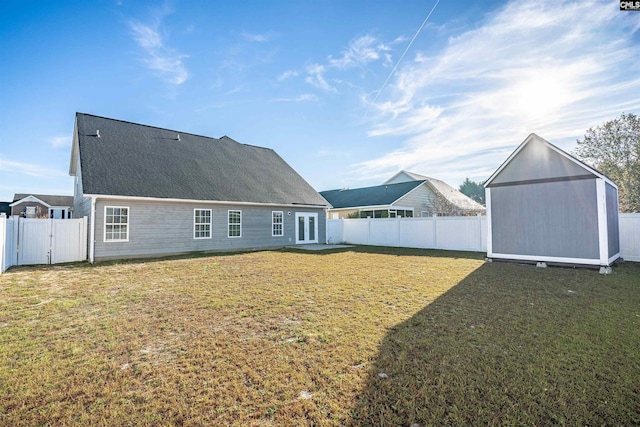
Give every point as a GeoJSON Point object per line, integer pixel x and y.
{"type": "Point", "coordinates": [296, 338]}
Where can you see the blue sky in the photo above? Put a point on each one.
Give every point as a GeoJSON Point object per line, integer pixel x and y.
{"type": "Point", "coordinates": [305, 79]}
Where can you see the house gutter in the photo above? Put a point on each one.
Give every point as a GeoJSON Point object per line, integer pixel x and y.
{"type": "Point", "coordinates": [92, 242]}
{"type": "Point", "coordinates": [207, 202]}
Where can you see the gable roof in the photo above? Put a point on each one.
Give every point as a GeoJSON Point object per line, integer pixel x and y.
{"type": "Point", "coordinates": [453, 196]}
{"type": "Point", "coordinates": [46, 199]}
{"type": "Point", "coordinates": [128, 159]}
{"type": "Point", "coordinates": [537, 160]}
{"type": "Point", "coordinates": [412, 176]}
{"type": "Point", "coordinates": [379, 195]}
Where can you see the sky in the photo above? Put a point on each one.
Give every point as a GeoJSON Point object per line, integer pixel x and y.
{"type": "Point", "coordinates": [347, 92]}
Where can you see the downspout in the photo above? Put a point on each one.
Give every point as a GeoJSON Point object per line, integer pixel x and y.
{"type": "Point", "coordinates": [92, 242]}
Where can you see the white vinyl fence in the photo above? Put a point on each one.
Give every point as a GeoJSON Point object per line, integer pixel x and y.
{"type": "Point", "coordinates": [463, 233]}
{"type": "Point", "coordinates": [630, 236]}
{"type": "Point", "coordinates": [25, 241]}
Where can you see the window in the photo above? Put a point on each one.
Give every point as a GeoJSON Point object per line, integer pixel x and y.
{"type": "Point", "coordinates": [116, 224]}
{"type": "Point", "coordinates": [202, 223]}
{"type": "Point", "coordinates": [404, 213]}
{"type": "Point", "coordinates": [276, 224]}
{"type": "Point", "coordinates": [235, 224]}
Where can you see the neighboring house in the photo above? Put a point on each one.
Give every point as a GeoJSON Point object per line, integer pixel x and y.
{"type": "Point", "coordinates": [544, 205]}
{"type": "Point", "coordinates": [42, 206]}
{"type": "Point", "coordinates": [150, 191]}
{"type": "Point", "coordinates": [406, 195]}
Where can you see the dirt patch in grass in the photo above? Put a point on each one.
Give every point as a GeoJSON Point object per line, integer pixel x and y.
{"type": "Point", "coordinates": [297, 338]}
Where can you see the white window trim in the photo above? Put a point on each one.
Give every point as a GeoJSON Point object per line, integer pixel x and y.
{"type": "Point", "coordinates": [274, 223]}
{"type": "Point", "coordinates": [194, 224]}
{"type": "Point", "coordinates": [229, 223]}
{"type": "Point", "coordinates": [104, 237]}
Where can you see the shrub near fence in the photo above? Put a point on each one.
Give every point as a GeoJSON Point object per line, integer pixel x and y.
{"type": "Point", "coordinates": [462, 233]}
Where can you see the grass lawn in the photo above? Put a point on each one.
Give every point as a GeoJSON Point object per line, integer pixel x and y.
{"type": "Point", "coordinates": [364, 336]}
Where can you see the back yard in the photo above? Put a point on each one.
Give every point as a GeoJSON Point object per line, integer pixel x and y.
{"type": "Point", "coordinates": [363, 336]}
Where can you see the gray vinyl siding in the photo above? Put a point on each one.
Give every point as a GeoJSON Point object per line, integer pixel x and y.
{"type": "Point", "coordinates": [165, 228]}
{"type": "Point", "coordinates": [612, 220]}
{"type": "Point", "coordinates": [555, 219]}
{"type": "Point", "coordinates": [420, 199]}
{"type": "Point", "coordinates": [537, 161]}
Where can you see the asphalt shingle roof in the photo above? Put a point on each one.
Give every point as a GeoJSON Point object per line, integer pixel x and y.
{"type": "Point", "coordinates": [51, 200]}
{"type": "Point", "coordinates": [130, 159]}
{"type": "Point", "coordinates": [369, 196]}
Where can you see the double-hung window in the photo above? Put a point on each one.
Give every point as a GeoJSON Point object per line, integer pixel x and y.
{"type": "Point", "coordinates": [202, 223]}
{"type": "Point", "coordinates": [116, 224]}
{"type": "Point", "coordinates": [276, 223]}
{"type": "Point", "coordinates": [235, 224]}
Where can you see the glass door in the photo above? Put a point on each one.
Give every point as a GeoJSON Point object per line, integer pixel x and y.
{"type": "Point", "coordinates": [306, 227]}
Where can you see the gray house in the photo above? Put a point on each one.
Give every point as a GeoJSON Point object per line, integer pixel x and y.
{"type": "Point", "coordinates": [406, 195]}
{"type": "Point", "coordinates": [149, 191]}
{"type": "Point", "coordinates": [544, 205]}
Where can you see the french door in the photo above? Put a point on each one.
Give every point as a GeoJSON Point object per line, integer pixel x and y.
{"type": "Point", "coordinates": [306, 227]}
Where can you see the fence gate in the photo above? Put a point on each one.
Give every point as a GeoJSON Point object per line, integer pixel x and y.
{"type": "Point", "coordinates": [34, 241]}
{"type": "Point", "coordinates": [44, 241]}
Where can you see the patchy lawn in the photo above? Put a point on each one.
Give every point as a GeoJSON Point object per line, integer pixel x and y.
{"type": "Point", "coordinates": [297, 338]}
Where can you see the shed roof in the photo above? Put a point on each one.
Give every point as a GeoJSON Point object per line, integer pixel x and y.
{"type": "Point", "coordinates": [379, 195]}
{"type": "Point", "coordinates": [129, 159]}
{"type": "Point", "coordinates": [537, 160]}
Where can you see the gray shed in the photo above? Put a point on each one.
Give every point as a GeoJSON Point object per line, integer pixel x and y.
{"type": "Point", "coordinates": [543, 205]}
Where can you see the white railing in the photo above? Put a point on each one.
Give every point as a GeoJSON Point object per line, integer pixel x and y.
{"type": "Point", "coordinates": [463, 233]}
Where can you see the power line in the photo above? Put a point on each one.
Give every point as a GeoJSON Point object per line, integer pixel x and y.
{"type": "Point", "coordinates": [405, 52]}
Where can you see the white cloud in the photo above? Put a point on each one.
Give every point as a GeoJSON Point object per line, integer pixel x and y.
{"type": "Point", "coordinates": [60, 141]}
{"type": "Point", "coordinates": [258, 38]}
{"type": "Point", "coordinates": [29, 169]}
{"type": "Point", "coordinates": [302, 98]}
{"type": "Point", "coordinates": [360, 51]}
{"type": "Point", "coordinates": [315, 77]}
{"type": "Point", "coordinates": [554, 68]}
{"type": "Point", "coordinates": [287, 75]}
{"type": "Point", "coordinates": [160, 58]}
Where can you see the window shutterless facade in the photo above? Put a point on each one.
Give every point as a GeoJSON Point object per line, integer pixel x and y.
{"type": "Point", "coordinates": [202, 223]}
{"type": "Point", "coordinates": [277, 220]}
{"type": "Point", "coordinates": [116, 223]}
{"type": "Point", "coordinates": [235, 224]}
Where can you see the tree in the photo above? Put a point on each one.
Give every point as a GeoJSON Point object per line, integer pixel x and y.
{"type": "Point", "coordinates": [614, 149]}
{"type": "Point", "coordinates": [473, 190]}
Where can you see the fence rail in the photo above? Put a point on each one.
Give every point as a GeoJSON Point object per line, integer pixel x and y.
{"type": "Point", "coordinates": [462, 233]}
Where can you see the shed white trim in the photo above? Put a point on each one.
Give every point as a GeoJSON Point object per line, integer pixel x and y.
{"type": "Point", "coordinates": [535, 258]}
{"type": "Point", "coordinates": [487, 198]}
{"type": "Point", "coordinates": [31, 199]}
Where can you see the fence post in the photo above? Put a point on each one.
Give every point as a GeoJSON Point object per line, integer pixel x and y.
{"type": "Point", "coordinates": [3, 241]}
{"type": "Point", "coordinates": [435, 231]}
{"type": "Point", "coordinates": [399, 232]}
{"type": "Point", "coordinates": [479, 232]}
